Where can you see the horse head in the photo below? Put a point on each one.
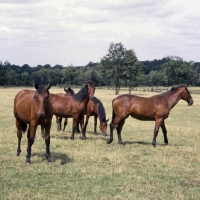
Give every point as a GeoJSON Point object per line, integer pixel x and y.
{"type": "Point", "coordinates": [41, 98]}
{"type": "Point", "coordinates": [91, 89]}
{"type": "Point", "coordinates": [68, 91]}
{"type": "Point", "coordinates": [103, 126]}
{"type": "Point", "coordinates": [186, 96]}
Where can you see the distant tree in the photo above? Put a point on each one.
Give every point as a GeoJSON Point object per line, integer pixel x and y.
{"type": "Point", "coordinates": [119, 63]}
{"type": "Point", "coordinates": [68, 75]}
{"type": "Point", "coordinates": [131, 68]}
{"type": "Point", "coordinates": [178, 71]}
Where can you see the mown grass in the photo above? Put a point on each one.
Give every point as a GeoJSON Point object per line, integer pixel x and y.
{"type": "Point", "coordinates": [91, 169]}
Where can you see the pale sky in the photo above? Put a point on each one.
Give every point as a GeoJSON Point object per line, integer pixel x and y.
{"type": "Point", "coordinates": [76, 32]}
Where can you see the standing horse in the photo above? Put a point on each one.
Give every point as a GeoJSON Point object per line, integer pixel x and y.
{"type": "Point", "coordinates": [73, 106]}
{"type": "Point", "coordinates": [155, 108]}
{"type": "Point", "coordinates": [68, 91]}
{"type": "Point", "coordinates": [33, 108]}
{"type": "Point", "coordinates": [94, 108]}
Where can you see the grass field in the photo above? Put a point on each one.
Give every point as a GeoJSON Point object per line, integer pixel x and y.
{"type": "Point", "coordinates": [91, 169]}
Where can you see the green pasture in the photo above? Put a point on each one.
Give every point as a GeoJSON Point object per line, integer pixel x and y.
{"type": "Point", "coordinates": [91, 169]}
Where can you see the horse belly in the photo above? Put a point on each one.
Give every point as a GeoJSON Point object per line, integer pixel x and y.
{"type": "Point", "coordinates": [143, 117]}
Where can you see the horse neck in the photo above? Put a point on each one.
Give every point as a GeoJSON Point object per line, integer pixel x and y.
{"type": "Point", "coordinates": [101, 112]}
{"type": "Point", "coordinates": [173, 98]}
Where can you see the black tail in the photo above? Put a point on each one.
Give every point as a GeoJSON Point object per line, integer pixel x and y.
{"type": "Point", "coordinates": [113, 113]}
{"type": "Point", "coordinates": [23, 126]}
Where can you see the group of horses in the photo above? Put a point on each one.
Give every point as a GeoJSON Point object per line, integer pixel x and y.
{"type": "Point", "coordinates": [35, 108]}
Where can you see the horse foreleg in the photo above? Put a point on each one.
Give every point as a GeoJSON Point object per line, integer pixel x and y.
{"type": "Point", "coordinates": [119, 128]}
{"type": "Point", "coordinates": [30, 136]}
{"type": "Point", "coordinates": [65, 123]}
{"type": "Point", "coordinates": [47, 141]}
{"type": "Point", "coordinates": [158, 123]}
{"type": "Point", "coordinates": [164, 130]}
{"type": "Point", "coordinates": [95, 124]}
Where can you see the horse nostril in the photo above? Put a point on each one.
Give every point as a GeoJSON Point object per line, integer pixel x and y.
{"type": "Point", "coordinates": [41, 114]}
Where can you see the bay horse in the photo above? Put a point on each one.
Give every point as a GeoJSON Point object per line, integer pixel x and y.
{"type": "Point", "coordinates": [73, 106]}
{"type": "Point", "coordinates": [94, 108]}
{"type": "Point", "coordinates": [155, 108]}
{"type": "Point", "coordinates": [33, 108]}
{"type": "Point", "coordinates": [68, 91]}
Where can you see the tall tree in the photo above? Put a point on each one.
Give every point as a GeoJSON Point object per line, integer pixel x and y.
{"type": "Point", "coordinates": [116, 62]}
{"type": "Point", "coordinates": [131, 68]}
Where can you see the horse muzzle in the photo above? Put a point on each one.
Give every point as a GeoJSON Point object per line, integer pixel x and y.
{"type": "Point", "coordinates": [91, 97]}
{"type": "Point", "coordinates": [190, 103]}
{"type": "Point", "coordinates": [41, 115]}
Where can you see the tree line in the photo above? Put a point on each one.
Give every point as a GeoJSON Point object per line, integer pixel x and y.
{"type": "Point", "coordinates": [118, 68]}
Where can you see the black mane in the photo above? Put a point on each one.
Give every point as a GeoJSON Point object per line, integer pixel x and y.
{"type": "Point", "coordinates": [101, 110]}
{"type": "Point", "coordinates": [81, 94]}
{"type": "Point", "coordinates": [173, 89]}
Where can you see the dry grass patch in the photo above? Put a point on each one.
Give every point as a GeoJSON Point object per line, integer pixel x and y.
{"type": "Point", "coordinates": [91, 169]}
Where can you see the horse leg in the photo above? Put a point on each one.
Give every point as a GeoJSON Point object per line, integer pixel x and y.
{"type": "Point", "coordinates": [47, 141]}
{"type": "Point", "coordinates": [164, 130]}
{"type": "Point", "coordinates": [158, 123]}
{"type": "Point", "coordinates": [74, 125]}
{"type": "Point", "coordinates": [112, 127]}
{"type": "Point", "coordinates": [19, 136]}
{"type": "Point", "coordinates": [119, 128]}
{"type": "Point", "coordinates": [77, 127]}
{"type": "Point", "coordinates": [43, 131]}
{"type": "Point", "coordinates": [83, 129]}
{"type": "Point", "coordinates": [65, 123]}
{"type": "Point", "coordinates": [30, 137]}
{"type": "Point", "coordinates": [58, 122]}
{"type": "Point", "coordinates": [86, 121]}
{"type": "Point", "coordinates": [95, 124]}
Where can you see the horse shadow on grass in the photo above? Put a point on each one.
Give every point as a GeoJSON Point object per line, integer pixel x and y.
{"type": "Point", "coordinates": [55, 156]}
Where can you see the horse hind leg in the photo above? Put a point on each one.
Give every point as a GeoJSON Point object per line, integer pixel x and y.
{"type": "Point", "coordinates": [119, 129]}
{"type": "Point", "coordinates": [65, 123]}
{"type": "Point", "coordinates": [21, 127]}
{"type": "Point", "coordinates": [158, 123]}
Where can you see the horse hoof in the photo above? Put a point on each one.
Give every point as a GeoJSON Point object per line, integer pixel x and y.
{"type": "Point", "coordinates": [108, 141]}
{"type": "Point", "coordinates": [104, 134]}
{"type": "Point", "coordinates": [83, 138]}
{"type": "Point", "coordinates": [71, 138]}
{"type": "Point", "coordinates": [28, 162]}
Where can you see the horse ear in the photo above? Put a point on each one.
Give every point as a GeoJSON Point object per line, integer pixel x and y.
{"type": "Point", "coordinates": [36, 86]}
{"type": "Point", "coordinates": [65, 90]}
{"type": "Point", "coordinates": [48, 87]}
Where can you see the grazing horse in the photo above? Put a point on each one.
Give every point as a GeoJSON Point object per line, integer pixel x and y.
{"type": "Point", "coordinates": [73, 106]}
{"type": "Point", "coordinates": [155, 108]}
{"type": "Point", "coordinates": [33, 108]}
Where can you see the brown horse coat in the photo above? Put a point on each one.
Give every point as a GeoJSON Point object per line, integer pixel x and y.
{"type": "Point", "coordinates": [33, 108]}
{"type": "Point", "coordinates": [155, 108]}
